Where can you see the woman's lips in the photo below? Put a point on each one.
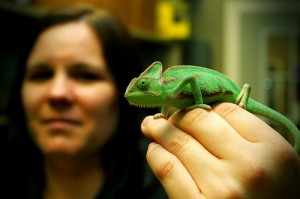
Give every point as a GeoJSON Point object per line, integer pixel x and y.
{"type": "Point", "coordinates": [60, 123]}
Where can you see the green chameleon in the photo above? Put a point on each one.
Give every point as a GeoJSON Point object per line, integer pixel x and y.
{"type": "Point", "coordinates": [188, 87]}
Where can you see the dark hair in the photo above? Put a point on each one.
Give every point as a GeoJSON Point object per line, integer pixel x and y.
{"type": "Point", "coordinates": [122, 157]}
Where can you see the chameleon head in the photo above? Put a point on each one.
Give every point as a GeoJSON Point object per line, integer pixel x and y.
{"type": "Point", "coordinates": [145, 90]}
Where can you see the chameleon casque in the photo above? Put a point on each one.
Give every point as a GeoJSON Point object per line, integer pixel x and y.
{"type": "Point", "coordinates": [188, 87]}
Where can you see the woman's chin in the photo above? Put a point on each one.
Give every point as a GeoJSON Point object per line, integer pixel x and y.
{"type": "Point", "coordinates": [61, 147]}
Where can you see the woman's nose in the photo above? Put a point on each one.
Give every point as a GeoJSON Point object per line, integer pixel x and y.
{"type": "Point", "coordinates": [60, 92]}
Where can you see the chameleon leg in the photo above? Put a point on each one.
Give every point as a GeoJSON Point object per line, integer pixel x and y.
{"type": "Point", "coordinates": [163, 113]}
{"type": "Point", "coordinates": [195, 90]}
{"type": "Point", "coordinates": [242, 98]}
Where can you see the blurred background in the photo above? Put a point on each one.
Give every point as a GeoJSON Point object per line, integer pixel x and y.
{"type": "Point", "coordinates": [254, 41]}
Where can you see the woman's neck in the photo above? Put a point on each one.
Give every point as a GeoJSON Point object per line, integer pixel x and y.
{"type": "Point", "coordinates": [73, 178]}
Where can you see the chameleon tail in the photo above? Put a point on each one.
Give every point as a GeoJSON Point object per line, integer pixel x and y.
{"type": "Point", "coordinates": [260, 109]}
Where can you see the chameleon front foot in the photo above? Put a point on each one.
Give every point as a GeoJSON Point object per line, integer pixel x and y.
{"type": "Point", "coordinates": [159, 115]}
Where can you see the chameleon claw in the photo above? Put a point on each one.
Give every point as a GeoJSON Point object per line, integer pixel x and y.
{"type": "Point", "coordinates": [242, 106]}
{"type": "Point", "coordinates": [159, 115]}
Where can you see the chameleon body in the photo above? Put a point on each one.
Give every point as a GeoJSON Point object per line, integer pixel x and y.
{"type": "Point", "coordinates": [188, 87]}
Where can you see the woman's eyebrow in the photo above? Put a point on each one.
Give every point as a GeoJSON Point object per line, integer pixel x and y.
{"type": "Point", "coordinates": [38, 65]}
{"type": "Point", "coordinates": [84, 65]}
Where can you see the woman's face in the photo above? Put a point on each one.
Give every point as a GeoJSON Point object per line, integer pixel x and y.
{"type": "Point", "coordinates": [68, 93]}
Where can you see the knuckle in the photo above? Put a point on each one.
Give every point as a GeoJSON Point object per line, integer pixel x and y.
{"type": "Point", "coordinates": [258, 175]}
{"type": "Point", "coordinates": [230, 189]}
{"type": "Point", "coordinates": [257, 171]}
{"type": "Point", "coordinates": [232, 193]}
{"type": "Point", "coordinates": [178, 143]}
{"type": "Point", "coordinates": [165, 170]}
{"type": "Point", "coordinates": [197, 115]}
{"type": "Point", "coordinates": [191, 119]}
{"type": "Point", "coordinates": [226, 109]}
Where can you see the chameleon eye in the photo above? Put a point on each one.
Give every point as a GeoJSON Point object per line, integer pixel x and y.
{"type": "Point", "coordinates": [143, 84]}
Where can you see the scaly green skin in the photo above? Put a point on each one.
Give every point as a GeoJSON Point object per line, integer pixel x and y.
{"type": "Point", "coordinates": [188, 87]}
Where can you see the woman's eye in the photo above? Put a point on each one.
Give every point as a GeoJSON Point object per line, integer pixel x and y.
{"type": "Point", "coordinates": [85, 73]}
{"type": "Point", "coordinates": [39, 76]}
{"type": "Point", "coordinates": [86, 76]}
{"type": "Point", "coordinates": [39, 72]}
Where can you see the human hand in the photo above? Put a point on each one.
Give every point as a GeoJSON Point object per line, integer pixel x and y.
{"type": "Point", "coordinates": [224, 153]}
